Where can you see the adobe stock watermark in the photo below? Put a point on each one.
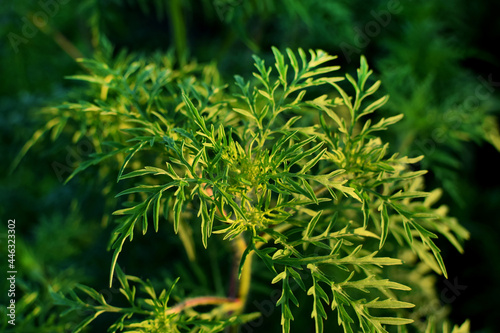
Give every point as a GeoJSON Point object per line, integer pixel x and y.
{"type": "Point", "coordinates": [455, 117]}
{"type": "Point", "coordinates": [11, 271]}
{"type": "Point", "coordinates": [74, 156]}
{"type": "Point", "coordinates": [452, 290]}
{"type": "Point", "coordinates": [449, 294]}
{"type": "Point", "coordinates": [381, 19]}
{"type": "Point", "coordinates": [39, 20]}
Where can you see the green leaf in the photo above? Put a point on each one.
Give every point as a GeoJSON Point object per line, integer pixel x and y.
{"type": "Point", "coordinates": [122, 278]}
{"type": "Point", "coordinates": [297, 278]}
{"type": "Point", "coordinates": [177, 212]}
{"type": "Point", "coordinates": [31, 142]}
{"type": "Point", "coordinates": [88, 78]}
{"type": "Point", "coordinates": [383, 123]}
{"type": "Point", "coordinates": [264, 255]}
{"type": "Point", "coordinates": [384, 221]}
{"type": "Point", "coordinates": [393, 320]}
{"type": "Point", "coordinates": [122, 232]}
{"type": "Point", "coordinates": [319, 296]}
{"type": "Point", "coordinates": [156, 210]}
{"type": "Point", "coordinates": [279, 277]}
{"type": "Point", "coordinates": [312, 225]}
{"type": "Point", "coordinates": [145, 189]}
{"type": "Point", "coordinates": [247, 251]}
{"type": "Point", "coordinates": [195, 115]}
{"type": "Point", "coordinates": [293, 62]}
{"type": "Point", "coordinates": [78, 328]}
{"type": "Point", "coordinates": [372, 282]}
{"type": "Point", "coordinates": [312, 162]}
{"type": "Point", "coordinates": [346, 99]}
{"type": "Point", "coordinates": [206, 222]}
{"type": "Point", "coordinates": [286, 296]}
{"type": "Point", "coordinates": [135, 149]}
{"type": "Point", "coordinates": [388, 304]}
{"type": "Point", "coordinates": [134, 210]}
{"type": "Point", "coordinates": [146, 171]}
{"type": "Point", "coordinates": [407, 233]}
{"type": "Point", "coordinates": [409, 195]}
{"type": "Point", "coordinates": [366, 212]}
{"type": "Point", "coordinates": [280, 66]}
{"type": "Point", "coordinates": [246, 113]}
{"type": "Point", "coordinates": [231, 202]}
{"type": "Point", "coordinates": [374, 106]}
{"type": "Point", "coordinates": [95, 159]}
{"type": "Point", "coordinates": [464, 328]}
{"type": "Point", "coordinates": [92, 293]}
{"type": "Point", "coordinates": [372, 89]}
{"type": "Point", "coordinates": [437, 254]}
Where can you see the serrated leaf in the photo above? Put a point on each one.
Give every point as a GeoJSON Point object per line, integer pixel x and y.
{"type": "Point", "coordinates": [374, 106]}
{"type": "Point", "coordinates": [383, 123]}
{"type": "Point", "coordinates": [195, 115]}
{"type": "Point", "coordinates": [388, 304]}
{"type": "Point", "coordinates": [318, 312]}
{"type": "Point", "coordinates": [264, 255]}
{"type": "Point", "coordinates": [372, 282]}
{"type": "Point", "coordinates": [297, 278]}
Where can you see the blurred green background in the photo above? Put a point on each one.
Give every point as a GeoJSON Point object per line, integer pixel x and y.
{"type": "Point", "coordinates": [437, 59]}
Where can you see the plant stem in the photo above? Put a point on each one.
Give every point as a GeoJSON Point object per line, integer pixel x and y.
{"type": "Point", "coordinates": [179, 30]}
{"type": "Point", "coordinates": [59, 39]}
{"type": "Point", "coordinates": [203, 300]}
{"type": "Point", "coordinates": [246, 273]}
{"type": "Point", "coordinates": [407, 142]}
{"type": "Point", "coordinates": [244, 281]}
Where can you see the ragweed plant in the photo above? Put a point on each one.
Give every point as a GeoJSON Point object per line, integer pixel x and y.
{"type": "Point", "coordinates": [287, 166]}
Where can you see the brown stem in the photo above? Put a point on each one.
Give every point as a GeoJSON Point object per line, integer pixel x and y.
{"type": "Point", "coordinates": [64, 43]}
{"type": "Point", "coordinates": [233, 279]}
{"type": "Point", "coordinates": [203, 300]}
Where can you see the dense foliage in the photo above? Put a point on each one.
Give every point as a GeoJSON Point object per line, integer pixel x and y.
{"type": "Point", "coordinates": [289, 186]}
